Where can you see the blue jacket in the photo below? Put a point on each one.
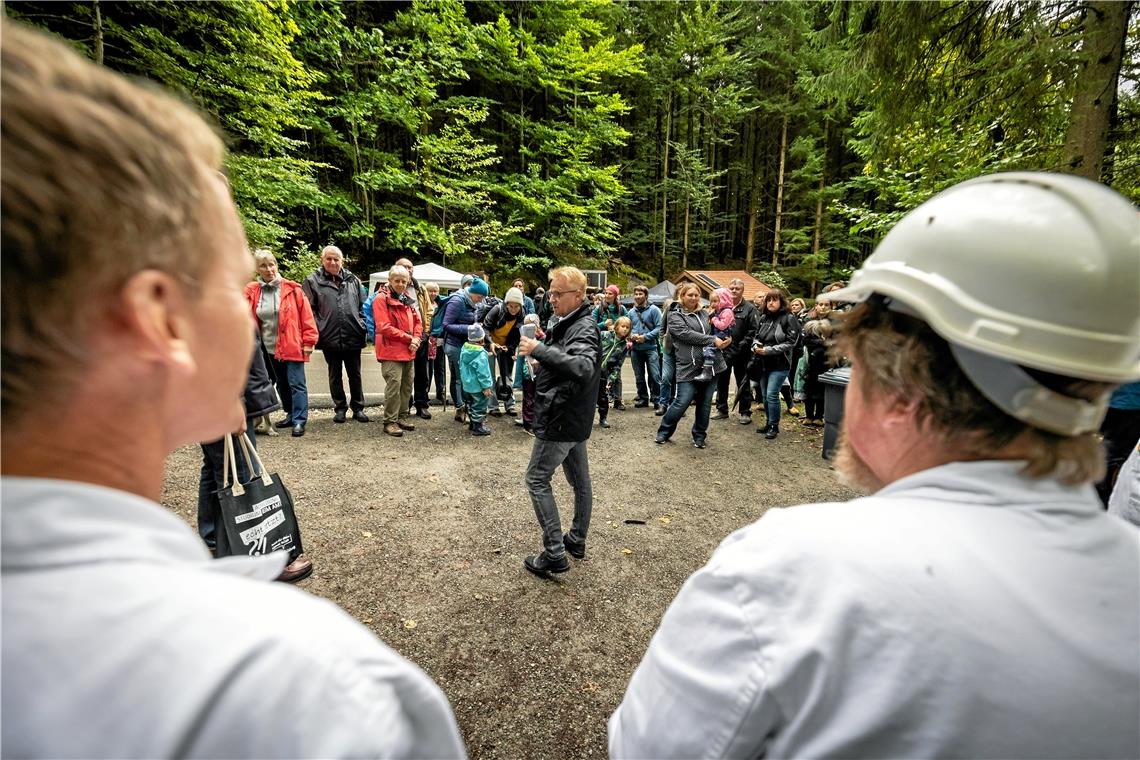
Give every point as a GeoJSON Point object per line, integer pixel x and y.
{"type": "Point", "coordinates": [457, 316]}
{"type": "Point", "coordinates": [474, 369]}
{"type": "Point", "coordinates": [646, 322]}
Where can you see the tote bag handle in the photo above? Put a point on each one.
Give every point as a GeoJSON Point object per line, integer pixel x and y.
{"type": "Point", "coordinates": [229, 464]}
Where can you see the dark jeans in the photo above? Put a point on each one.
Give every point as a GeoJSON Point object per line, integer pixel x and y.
{"type": "Point", "coordinates": [603, 401]}
{"type": "Point", "coordinates": [642, 362]}
{"type": "Point", "coordinates": [289, 377]}
{"type": "Point", "coordinates": [350, 361]}
{"type": "Point", "coordinates": [544, 459]}
{"type": "Point", "coordinates": [1121, 429]}
{"type": "Point", "coordinates": [420, 378]}
{"type": "Point", "coordinates": [768, 388]}
{"type": "Point", "coordinates": [668, 374]}
{"type": "Point", "coordinates": [738, 367]}
{"type": "Point", "coordinates": [211, 479]}
{"type": "Point", "coordinates": [453, 352]}
{"type": "Point", "coordinates": [702, 391]}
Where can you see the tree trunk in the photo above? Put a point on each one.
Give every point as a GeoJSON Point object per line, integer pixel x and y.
{"type": "Point", "coordinates": [685, 249]}
{"type": "Point", "coordinates": [780, 191]}
{"type": "Point", "coordinates": [98, 33]}
{"type": "Point", "coordinates": [1102, 44]}
{"type": "Point", "coordinates": [665, 179]}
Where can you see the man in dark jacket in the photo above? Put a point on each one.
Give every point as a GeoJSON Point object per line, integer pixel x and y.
{"type": "Point", "coordinates": [336, 296]}
{"type": "Point", "coordinates": [737, 356]}
{"type": "Point", "coordinates": [565, 394]}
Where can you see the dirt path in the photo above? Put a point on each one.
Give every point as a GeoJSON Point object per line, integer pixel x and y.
{"type": "Point", "coordinates": [422, 540]}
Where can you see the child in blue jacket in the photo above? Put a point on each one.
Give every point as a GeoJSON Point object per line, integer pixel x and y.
{"type": "Point", "coordinates": [475, 375]}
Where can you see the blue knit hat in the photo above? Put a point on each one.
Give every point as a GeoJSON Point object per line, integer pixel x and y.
{"type": "Point", "coordinates": [475, 333]}
{"type": "Point", "coordinates": [478, 288]}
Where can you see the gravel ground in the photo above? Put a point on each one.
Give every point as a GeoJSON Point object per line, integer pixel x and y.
{"type": "Point", "coordinates": [422, 538]}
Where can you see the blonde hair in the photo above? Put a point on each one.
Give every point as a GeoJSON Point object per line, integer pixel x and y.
{"type": "Point", "coordinates": [683, 288]}
{"type": "Point", "coordinates": [623, 321]}
{"type": "Point", "coordinates": [573, 276]}
{"type": "Point", "coordinates": [101, 178]}
{"type": "Point", "coordinates": [903, 357]}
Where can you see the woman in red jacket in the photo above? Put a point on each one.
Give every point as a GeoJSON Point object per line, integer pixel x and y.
{"type": "Point", "coordinates": [398, 331]}
{"type": "Point", "coordinates": [288, 335]}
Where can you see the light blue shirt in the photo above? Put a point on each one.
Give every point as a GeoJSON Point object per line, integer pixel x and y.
{"type": "Point", "coordinates": [964, 611]}
{"type": "Point", "coordinates": [123, 639]}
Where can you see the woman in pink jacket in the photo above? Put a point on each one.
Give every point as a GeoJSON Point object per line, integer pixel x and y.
{"type": "Point", "coordinates": [288, 336]}
{"type": "Point", "coordinates": [398, 331]}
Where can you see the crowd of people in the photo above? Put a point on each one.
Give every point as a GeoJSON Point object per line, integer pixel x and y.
{"type": "Point", "coordinates": [977, 602]}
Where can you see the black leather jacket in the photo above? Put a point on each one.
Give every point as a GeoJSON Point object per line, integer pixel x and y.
{"type": "Point", "coordinates": [566, 388]}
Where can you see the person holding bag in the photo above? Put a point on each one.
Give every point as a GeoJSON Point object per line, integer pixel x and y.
{"type": "Point", "coordinates": [259, 399]}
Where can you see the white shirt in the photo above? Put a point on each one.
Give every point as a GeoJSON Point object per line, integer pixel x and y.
{"type": "Point", "coordinates": [1125, 499]}
{"type": "Point", "coordinates": [964, 611]}
{"type": "Point", "coordinates": [122, 638]}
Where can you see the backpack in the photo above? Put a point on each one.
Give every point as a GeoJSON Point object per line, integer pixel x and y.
{"type": "Point", "coordinates": [437, 318]}
{"type": "Point", "coordinates": [369, 320]}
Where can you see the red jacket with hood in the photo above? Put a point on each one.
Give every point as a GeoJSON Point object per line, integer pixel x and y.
{"type": "Point", "coordinates": [295, 324]}
{"type": "Point", "coordinates": [396, 322]}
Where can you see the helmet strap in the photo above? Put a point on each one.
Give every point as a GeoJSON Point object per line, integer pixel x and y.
{"type": "Point", "coordinates": [1015, 392]}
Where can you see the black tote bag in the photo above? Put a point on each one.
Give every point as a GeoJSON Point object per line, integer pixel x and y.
{"type": "Point", "coordinates": [257, 517]}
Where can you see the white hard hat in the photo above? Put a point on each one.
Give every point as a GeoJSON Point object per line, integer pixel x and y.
{"type": "Point", "coordinates": [1032, 269]}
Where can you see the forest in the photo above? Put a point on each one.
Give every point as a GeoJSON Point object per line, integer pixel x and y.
{"type": "Point", "coordinates": [644, 138]}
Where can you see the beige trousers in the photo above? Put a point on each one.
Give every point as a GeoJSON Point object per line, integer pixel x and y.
{"type": "Point", "coordinates": [397, 389]}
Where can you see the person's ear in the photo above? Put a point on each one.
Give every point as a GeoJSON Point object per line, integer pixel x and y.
{"type": "Point", "coordinates": [154, 315]}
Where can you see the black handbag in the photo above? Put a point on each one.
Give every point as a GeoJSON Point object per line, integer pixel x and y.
{"type": "Point", "coordinates": [256, 517]}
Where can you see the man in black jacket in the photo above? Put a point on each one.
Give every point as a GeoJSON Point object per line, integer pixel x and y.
{"type": "Point", "coordinates": [336, 296]}
{"type": "Point", "coordinates": [565, 393]}
{"type": "Point", "coordinates": [737, 356]}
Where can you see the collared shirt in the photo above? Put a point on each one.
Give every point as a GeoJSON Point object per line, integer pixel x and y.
{"type": "Point", "coordinates": [1125, 499]}
{"type": "Point", "coordinates": [122, 638]}
{"type": "Point", "coordinates": [963, 611]}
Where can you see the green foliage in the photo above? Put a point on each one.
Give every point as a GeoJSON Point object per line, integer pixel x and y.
{"type": "Point", "coordinates": [299, 263]}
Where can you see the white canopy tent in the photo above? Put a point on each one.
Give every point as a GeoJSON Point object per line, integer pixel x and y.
{"type": "Point", "coordinates": [447, 279]}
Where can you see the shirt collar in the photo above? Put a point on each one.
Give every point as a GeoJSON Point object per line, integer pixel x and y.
{"type": "Point", "coordinates": [994, 482]}
{"type": "Point", "coordinates": [58, 523]}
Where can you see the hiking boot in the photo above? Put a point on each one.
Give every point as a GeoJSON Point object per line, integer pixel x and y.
{"type": "Point", "coordinates": [576, 549]}
{"type": "Point", "coordinates": [603, 423]}
{"type": "Point", "coordinates": [393, 429]}
{"type": "Point", "coordinates": [543, 564]}
{"type": "Point", "coordinates": [480, 429]}
{"type": "Point", "coordinates": [339, 416]}
{"type": "Point", "coordinates": [772, 432]}
{"type": "Point", "coordinates": [406, 425]}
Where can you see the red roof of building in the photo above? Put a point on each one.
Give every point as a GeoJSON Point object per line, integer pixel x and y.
{"type": "Point", "coordinates": [709, 280]}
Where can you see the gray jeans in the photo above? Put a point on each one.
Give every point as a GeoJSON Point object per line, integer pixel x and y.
{"type": "Point", "coordinates": [545, 457]}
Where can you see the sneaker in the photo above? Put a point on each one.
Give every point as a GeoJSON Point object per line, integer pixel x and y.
{"type": "Point", "coordinates": [698, 444]}
{"type": "Point", "coordinates": [360, 416]}
{"type": "Point", "coordinates": [392, 429]}
{"type": "Point", "coordinates": [659, 439]}
{"type": "Point", "coordinates": [480, 430]}
{"type": "Point", "coordinates": [519, 421]}
{"type": "Point", "coordinates": [543, 564]}
{"type": "Point", "coordinates": [745, 419]}
{"type": "Point", "coordinates": [576, 549]}
{"type": "Point", "coordinates": [406, 425]}
{"type": "Point", "coordinates": [720, 415]}
{"type": "Point", "coordinates": [603, 423]}
{"type": "Point", "coordinates": [340, 416]}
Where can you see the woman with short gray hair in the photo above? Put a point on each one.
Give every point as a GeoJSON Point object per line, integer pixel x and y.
{"type": "Point", "coordinates": [398, 332]}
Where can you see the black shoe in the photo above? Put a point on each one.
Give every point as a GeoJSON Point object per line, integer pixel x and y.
{"type": "Point", "coordinates": [576, 549]}
{"type": "Point", "coordinates": [299, 430]}
{"type": "Point", "coordinates": [772, 432]}
{"type": "Point", "coordinates": [423, 414]}
{"type": "Point", "coordinates": [480, 430]}
{"type": "Point", "coordinates": [511, 412]}
{"type": "Point", "coordinates": [620, 406]}
{"type": "Point", "coordinates": [496, 412]}
{"type": "Point", "coordinates": [720, 415]}
{"type": "Point", "coordinates": [543, 565]}
{"type": "Point", "coordinates": [283, 424]}
{"type": "Point", "coordinates": [659, 411]}
{"type": "Point", "coordinates": [339, 416]}
{"type": "Point", "coordinates": [660, 439]}
{"type": "Point", "coordinates": [698, 444]}
{"type": "Point", "coordinates": [360, 416]}
{"type": "Point", "coordinates": [640, 404]}
{"type": "Point", "coordinates": [603, 423]}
